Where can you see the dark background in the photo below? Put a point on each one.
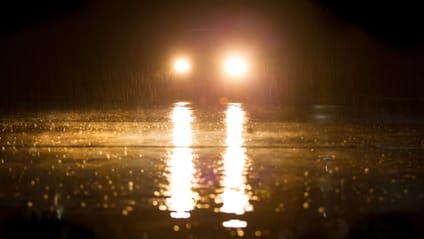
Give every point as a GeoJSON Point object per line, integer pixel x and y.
{"type": "Point", "coordinates": [59, 54]}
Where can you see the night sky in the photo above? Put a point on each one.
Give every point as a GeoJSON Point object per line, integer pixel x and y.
{"type": "Point", "coordinates": [76, 53]}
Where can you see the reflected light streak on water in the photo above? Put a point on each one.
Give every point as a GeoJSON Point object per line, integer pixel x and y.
{"type": "Point", "coordinates": [181, 197]}
{"type": "Point", "coordinates": [234, 198]}
{"type": "Point", "coordinates": [234, 223]}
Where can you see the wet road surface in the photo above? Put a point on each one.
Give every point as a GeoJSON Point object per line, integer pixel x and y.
{"type": "Point", "coordinates": [183, 171]}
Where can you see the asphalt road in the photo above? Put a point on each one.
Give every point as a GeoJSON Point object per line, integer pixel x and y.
{"type": "Point", "coordinates": [234, 170]}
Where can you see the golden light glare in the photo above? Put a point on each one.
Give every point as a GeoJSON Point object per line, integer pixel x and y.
{"type": "Point", "coordinates": [182, 66]}
{"type": "Point", "coordinates": [234, 197]}
{"type": "Point", "coordinates": [181, 198]}
{"type": "Point", "coordinates": [236, 66]}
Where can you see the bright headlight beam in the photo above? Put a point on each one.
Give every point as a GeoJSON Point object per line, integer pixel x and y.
{"type": "Point", "coordinates": [182, 66]}
{"type": "Point", "coordinates": [235, 66]}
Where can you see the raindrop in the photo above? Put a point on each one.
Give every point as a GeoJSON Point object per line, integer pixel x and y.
{"type": "Point", "coordinates": [240, 232]}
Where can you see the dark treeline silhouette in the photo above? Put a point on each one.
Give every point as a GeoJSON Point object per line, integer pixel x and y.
{"type": "Point", "coordinates": [116, 55]}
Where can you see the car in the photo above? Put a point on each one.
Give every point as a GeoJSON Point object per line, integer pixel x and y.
{"type": "Point", "coordinates": [212, 67]}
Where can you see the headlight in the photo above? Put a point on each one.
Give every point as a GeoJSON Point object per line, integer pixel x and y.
{"type": "Point", "coordinates": [235, 66]}
{"type": "Point", "coordinates": [182, 66]}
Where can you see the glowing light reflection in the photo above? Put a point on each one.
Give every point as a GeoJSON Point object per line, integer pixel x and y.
{"type": "Point", "coordinates": [181, 197]}
{"type": "Point", "coordinates": [234, 223]}
{"type": "Point", "coordinates": [234, 198]}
